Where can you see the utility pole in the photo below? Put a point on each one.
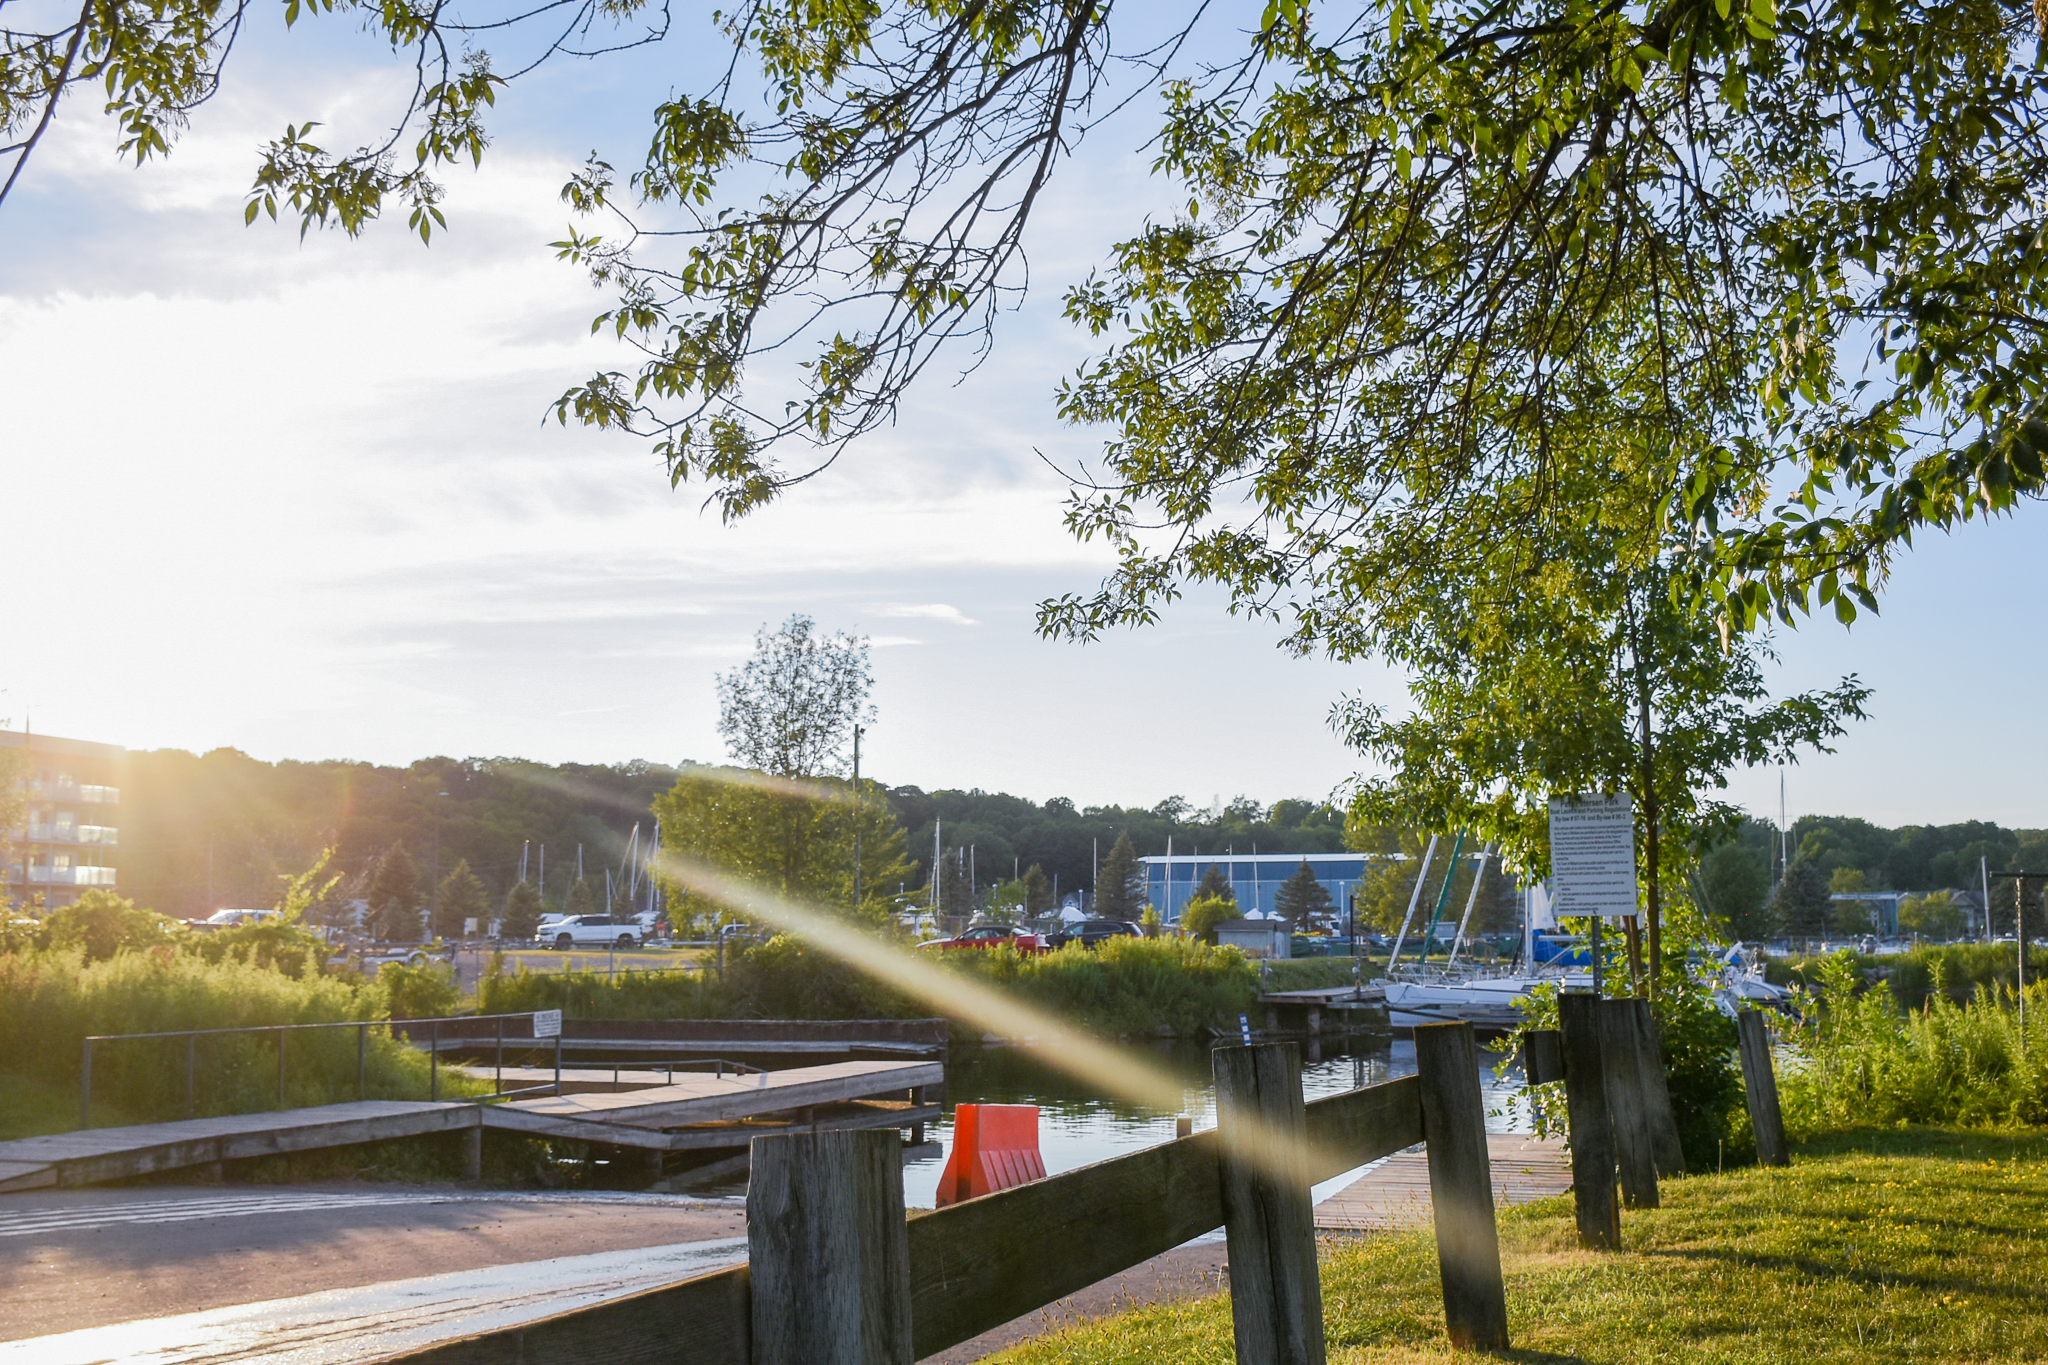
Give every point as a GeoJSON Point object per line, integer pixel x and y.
{"type": "Point", "coordinates": [858, 731]}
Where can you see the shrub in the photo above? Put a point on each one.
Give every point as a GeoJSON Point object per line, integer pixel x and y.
{"type": "Point", "coordinates": [102, 924]}
{"type": "Point", "coordinates": [50, 1000]}
{"type": "Point", "coordinates": [1200, 916]}
{"type": "Point", "coordinates": [1861, 1061]}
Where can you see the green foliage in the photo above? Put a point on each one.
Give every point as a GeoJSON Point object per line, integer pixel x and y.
{"type": "Point", "coordinates": [1862, 1062]}
{"type": "Point", "coordinates": [1801, 901]}
{"type": "Point", "coordinates": [790, 711]}
{"type": "Point", "coordinates": [1149, 922]}
{"type": "Point", "coordinates": [593, 995]}
{"type": "Point", "coordinates": [1038, 895]}
{"type": "Point", "coordinates": [581, 900]}
{"type": "Point", "coordinates": [1735, 888]}
{"type": "Point", "coordinates": [1120, 886]}
{"type": "Point", "coordinates": [1200, 916]}
{"type": "Point", "coordinates": [100, 924]}
{"type": "Point", "coordinates": [394, 897]}
{"type": "Point", "coordinates": [1934, 915]}
{"type": "Point", "coordinates": [796, 838]}
{"type": "Point", "coordinates": [521, 917]}
{"type": "Point", "coordinates": [1301, 896]}
{"type": "Point", "coordinates": [400, 991]}
{"type": "Point", "coordinates": [1216, 884]}
{"type": "Point", "coordinates": [460, 897]}
{"type": "Point", "coordinates": [1127, 986]}
{"type": "Point", "coordinates": [50, 1000]}
{"type": "Point", "coordinates": [1756, 1266]}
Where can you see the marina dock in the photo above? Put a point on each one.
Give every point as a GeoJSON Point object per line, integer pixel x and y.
{"type": "Point", "coordinates": [694, 1113]}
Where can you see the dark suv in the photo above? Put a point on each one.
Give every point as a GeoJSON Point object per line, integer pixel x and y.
{"type": "Point", "coordinates": [1090, 933]}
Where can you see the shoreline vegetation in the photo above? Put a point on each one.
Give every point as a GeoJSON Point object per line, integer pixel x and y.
{"type": "Point", "coordinates": [1892, 1245]}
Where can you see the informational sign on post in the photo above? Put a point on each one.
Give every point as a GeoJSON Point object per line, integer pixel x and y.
{"type": "Point", "coordinates": [547, 1023]}
{"type": "Point", "coordinates": [1593, 856]}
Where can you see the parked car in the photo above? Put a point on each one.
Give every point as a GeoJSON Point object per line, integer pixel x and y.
{"type": "Point", "coordinates": [993, 936]}
{"type": "Point", "coordinates": [1091, 933]}
{"type": "Point", "coordinates": [593, 931]}
{"type": "Point", "coordinates": [228, 919]}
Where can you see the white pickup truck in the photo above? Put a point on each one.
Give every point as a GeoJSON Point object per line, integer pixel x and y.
{"type": "Point", "coordinates": [592, 931]}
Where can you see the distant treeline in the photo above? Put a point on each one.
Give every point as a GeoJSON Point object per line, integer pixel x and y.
{"type": "Point", "coordinates": [220, 829]}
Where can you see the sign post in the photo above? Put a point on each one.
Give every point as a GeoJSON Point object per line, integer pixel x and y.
{"type": "Point", "coordinates": [1593, 862]}
{"type": "Point", "coordinates": [548, 1024]}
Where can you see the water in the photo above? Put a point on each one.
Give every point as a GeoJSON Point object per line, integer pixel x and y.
{"type": "Point", "coordinates": [1078, 1124]}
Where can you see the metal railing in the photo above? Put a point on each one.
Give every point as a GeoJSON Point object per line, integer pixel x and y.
{"type": "Point", "coordinates": [407, 1027]}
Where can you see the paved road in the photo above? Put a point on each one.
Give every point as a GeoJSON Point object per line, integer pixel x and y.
{"type": "Point", "coordinates": [87, 1258]}
{"type": "Point", "coordinates": [329, 1274]}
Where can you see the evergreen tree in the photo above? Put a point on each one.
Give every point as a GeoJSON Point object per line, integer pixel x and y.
{"type": "Point", "coordinates": [522, 911]}
{"type": "Point", "coordinates": [461, 898]}
{"type": "Point", "coordinates": [1216, 885]}
{"type": "Point", "coordinates": [1120, 890]}
{"type": "Point", "coordinates": [581, 902]}
{"type": "Point", "coordinates": [395, 896]}
{"type": "Point", "coordinates": [1301, 896]}
{"type": "Point", "coordinates": [956, 895]}
{"type": "Point", "coordinates": [1801, 901]}
{"type": "Point", "coordinates": [1038, 897]}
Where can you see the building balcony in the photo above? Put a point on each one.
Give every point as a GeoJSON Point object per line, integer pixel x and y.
{"type": "Point", "coordinates": [42, 874]}
{"type": "Point", "coordinates": [99, 796]}
{"type": "Point", "coordinates": [106, 836]}
{"type": "Point", "coordinates": [52, 834]}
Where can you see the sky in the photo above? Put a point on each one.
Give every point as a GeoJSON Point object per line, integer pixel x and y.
{"type": "Point", "coordinates": [302, 498]}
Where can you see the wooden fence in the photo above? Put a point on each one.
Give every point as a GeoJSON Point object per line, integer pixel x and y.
{"type": "Point", "coordinates": [837, 1275]}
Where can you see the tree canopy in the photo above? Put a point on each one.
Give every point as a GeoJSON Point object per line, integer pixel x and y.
{"type": "Point", "coordinates": [1301, 896]}
{"type": "Point", "coordinates": [1787, 251]}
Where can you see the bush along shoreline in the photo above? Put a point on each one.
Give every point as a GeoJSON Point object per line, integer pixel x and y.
{"type": "Point", "coordinates": [1128, 987]}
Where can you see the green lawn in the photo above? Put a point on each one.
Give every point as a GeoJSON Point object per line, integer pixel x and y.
{"type": "Point", "coordinates": [1920, 1245]}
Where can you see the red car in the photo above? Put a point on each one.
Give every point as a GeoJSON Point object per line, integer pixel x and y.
{"type": "Point", "coordinates": [994, 936]}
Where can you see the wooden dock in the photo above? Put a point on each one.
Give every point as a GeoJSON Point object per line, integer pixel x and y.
{"type": "Point", "coordinates": [699, 1111]}
{"type": "Point", "coordinates": [696, 1112]}
{"type": "Point", "coordinates": [95, 1154]}
{"type": "Point", "coordinates": [1395, 1193]}
{"type": "Point", "coordinates": [590, 1041]}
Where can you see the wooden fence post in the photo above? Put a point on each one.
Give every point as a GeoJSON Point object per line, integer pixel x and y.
{"type": "Point", "coordinates": [1276, 1292]}
{"type": "Point", "coordinates": [1592, 1128]}
{"type": "Point", "coordinates": [1461, 1187]}
{"type": "Point", "coordinates": [827, 1249]}
{"type": "Point", "coordinates": [1621, 1064]}
{"type": "Point", "coordinates": [1760, 1088]}
{"type": "Point", "coordinates": [1665, 1148]}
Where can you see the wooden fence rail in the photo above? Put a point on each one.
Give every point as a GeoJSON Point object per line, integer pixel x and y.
{"type": "Point", "coordinates": [976, 1265]}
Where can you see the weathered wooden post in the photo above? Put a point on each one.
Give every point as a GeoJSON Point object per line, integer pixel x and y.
{"type": "Point", "coordinates": [1461, 1187]}
{"type": "Point", "coordinates": [1665, 1148]}
{"type": "Point", "coordinates": [1276, 1292]}
{"type": "Point", "coordinates": [1592, 1128]}
{"type": "Point", "coordinates": [1621, 1064]}
{"type": "Point", "coordinates": [1760, 1088]}
{"type": "Point", "coordinates": [828, 1253]}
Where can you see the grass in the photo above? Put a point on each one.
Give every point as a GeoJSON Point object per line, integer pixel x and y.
{"type": "Point", "coordinates": [1897, 1245]}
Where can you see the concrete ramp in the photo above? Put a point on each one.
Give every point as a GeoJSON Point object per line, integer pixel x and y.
{"type": "Point", "coordinates": [91, 1155]}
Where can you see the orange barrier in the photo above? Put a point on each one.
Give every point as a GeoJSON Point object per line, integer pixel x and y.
{"type": "Point", "coordinates": [995, 1146]}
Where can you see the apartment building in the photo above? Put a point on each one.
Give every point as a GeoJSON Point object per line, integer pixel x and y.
{"type": "Point", "coordinates": [70, 832]}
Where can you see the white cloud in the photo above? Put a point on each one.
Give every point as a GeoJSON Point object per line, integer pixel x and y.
{"type": "Point", "coordinates": [933, 611]}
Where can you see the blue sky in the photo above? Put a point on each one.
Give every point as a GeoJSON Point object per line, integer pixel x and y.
{"type": "Point", "coordinates": [299, 498]}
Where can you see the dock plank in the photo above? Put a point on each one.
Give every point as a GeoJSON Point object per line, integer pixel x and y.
{"type": "Point", "coordinates": [716, 1099]}
{"type": "Point", "coordinates": [1395, 1194]}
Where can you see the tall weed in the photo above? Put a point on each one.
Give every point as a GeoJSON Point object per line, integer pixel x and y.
{"type": "Point", "coordinates": [1861, 1061]}
{"type": "Point", "coordinates": [51, 1001]}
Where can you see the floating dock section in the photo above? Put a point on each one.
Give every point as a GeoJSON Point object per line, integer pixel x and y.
{"type": "Point", "coordinates": [693, 1113]}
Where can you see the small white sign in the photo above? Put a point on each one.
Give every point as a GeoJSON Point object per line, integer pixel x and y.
{"type": "Point", "coordinates": [1592, 856]}
{"type": "Point", "coordinates": [547, 1023]}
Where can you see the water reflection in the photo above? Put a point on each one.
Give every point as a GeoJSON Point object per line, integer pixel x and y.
{"type": "Point", "coordinates": [1078, 1124]}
